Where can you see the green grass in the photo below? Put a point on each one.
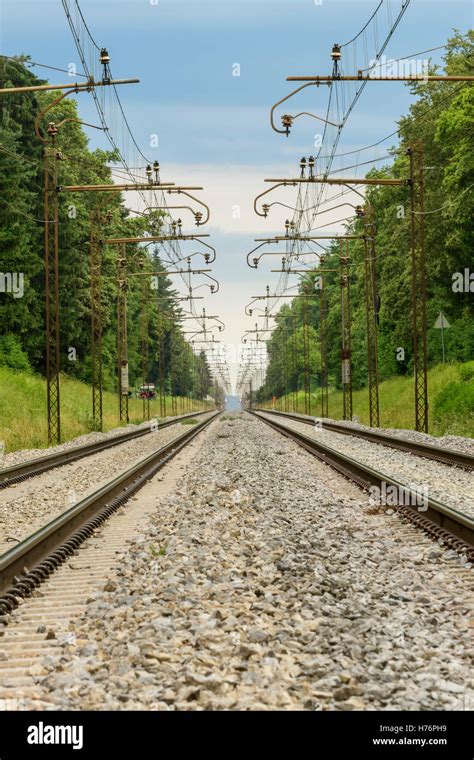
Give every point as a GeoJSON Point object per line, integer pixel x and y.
{"type": "Point", "coordinates": [450, 397]}
{"type": "Point", "coordinates": [23, 423]}
{"type": "Point", "coordinates": [161, 552]}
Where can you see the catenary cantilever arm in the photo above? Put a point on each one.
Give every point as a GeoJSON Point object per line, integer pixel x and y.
{"type": "Point", "coordinates": [265, 192]}
{"type": "Point", "coordinates": [272, 111]}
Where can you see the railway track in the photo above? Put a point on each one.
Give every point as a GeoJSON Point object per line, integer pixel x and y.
{"type": "Point", "coordinates": [32, 561]}
{"type": "Point", "coordinates": [426, 450]}
{"type": "Point", "coordinates": [436, 518]}
{"type": "Point", "coordinates": [32, 467]}
{"type": "Point", "coordinates": [162, 607]}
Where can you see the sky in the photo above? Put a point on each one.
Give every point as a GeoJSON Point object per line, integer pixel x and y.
{"type": "Point", "coordinates": [213, 127]}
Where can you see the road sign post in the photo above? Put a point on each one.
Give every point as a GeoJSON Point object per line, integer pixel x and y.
{"type": "Point", "coordinates": [442, 324]}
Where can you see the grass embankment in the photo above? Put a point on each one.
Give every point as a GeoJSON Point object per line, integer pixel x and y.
{"type": "Point", "coordinates": [23, 423]}
{"type": "Point", "coordinates": [450, 394]}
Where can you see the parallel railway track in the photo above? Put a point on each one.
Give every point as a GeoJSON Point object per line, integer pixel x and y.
{"type": "Point", "coordinates": [32, 467]}
{"type": "Point", "coordinates": [440, 520]}
{"type": "Point", "coordinates": [88, 631]}
{"type": "Point", "coordinates": [426, 450]}
{"type": "Point", "coordinates": [30, 562]}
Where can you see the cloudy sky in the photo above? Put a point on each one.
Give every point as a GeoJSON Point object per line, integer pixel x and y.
{"type": "Point", "coordinates": [213, 126]}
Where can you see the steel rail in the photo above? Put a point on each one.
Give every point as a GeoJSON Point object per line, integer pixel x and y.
{"type": "Point", "coordinates": [440, 520]}
{"type": "Point", "coordinates": [30, 562]}
{"type": "Point", "coordinates": [19, 472]}
{"type": "Point", "coordinates": [426, 450]}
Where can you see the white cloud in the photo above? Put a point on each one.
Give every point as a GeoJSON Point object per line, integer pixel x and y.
{"type": "Point", "coordinates": [230, 192]}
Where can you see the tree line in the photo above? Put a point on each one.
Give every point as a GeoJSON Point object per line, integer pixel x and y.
{"type": "Point", "coordinates": [172, 363]}
{"type": "Point", "coordinates": [441, 118]}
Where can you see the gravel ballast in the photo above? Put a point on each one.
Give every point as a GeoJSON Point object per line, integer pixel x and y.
{"type": "Point", "coordinates": [454, 442]}
{"type": "Point", "coordinates": [264, 582]}
{"type": "Point", "coordinates": [24, 455]}
{"type": "Point", "coordinates": [451, 485]}
{"type": "Point", "coordinates": [28, 505]}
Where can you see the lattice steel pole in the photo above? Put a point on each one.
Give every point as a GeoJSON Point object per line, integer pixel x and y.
{"type": "Point", "coordinates": [161, 366]}
{"type": "Point", "coordinates": [418, 269]}
{"type": "Point", "coordinates": [51, 238]}
{"type": "Point", "coordinates": [181, 397]}
{"type": "Point", "coordinates": [306, 380]}
{"type": "Point", "coordinates": [294, 364]}
{"type": "Point", "coordinates": [287, 386]}
{"type": "Point", "coordinates": [51, 265]}
{"type": "Point", "coordinates": [96, 248]}
{"type": "Point", "coordinates": [144, 325]}
{"type": "Point", "coordinates": [122, 350]}
{"type": "Point", "coordinates": [371, 314]}
{"type": "Point", "coordinates": [346, 352]}
{"type": "Point", "coordinates": [174, 408]}
{"type": "Point", "coordinates": [323, 346]}
{"type": "Point", "coordinates": [192, 393]}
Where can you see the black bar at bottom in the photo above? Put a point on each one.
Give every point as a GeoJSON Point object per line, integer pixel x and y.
{"type": "Point", "coordinates": [306, 734]}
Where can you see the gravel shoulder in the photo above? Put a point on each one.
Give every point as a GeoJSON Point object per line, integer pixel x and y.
{"type": "Point", "coordinates": [451, 485]}
{"type": "Point", "coordinates": [454, 442]}
{"type": "Point", "coordinates": [28, 505]}
{"type": "Point", "coordinates": [24, 455]}
{"type": "Point", "coordinates": [264, 582]}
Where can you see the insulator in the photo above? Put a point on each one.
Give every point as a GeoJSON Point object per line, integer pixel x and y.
{"type": "Point", "coordinates": [287, 121]}
{"type": "Point", "coordinates": [336, 52]}
{"type": "Point", "coordinates": [104, 57]}
{"type": "Point", "coordinates": [52, 129]}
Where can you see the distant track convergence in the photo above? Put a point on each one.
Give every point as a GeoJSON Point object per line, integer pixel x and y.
{"type": "Point", "coordinates": [50, 546]}
{"type": "Point", "coordinates": [435, 453]}
{"type": "Point", "coordinates": [20, 472]}
{"type": "Point", "coordinates": [439, 520]}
